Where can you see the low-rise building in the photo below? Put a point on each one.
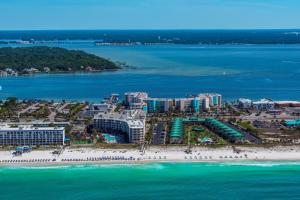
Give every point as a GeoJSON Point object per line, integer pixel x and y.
{"type": "Point", "coordinates": [31, 70]}
{"type": "Point", "coordinates": [264, 104]}
{"type": "Point", "coordinates": [244, 103]}
{"type": "Point", "coordinates": [3, 73]}
{"type": "Point", "coordinates": [112, 99]}
{"type": "Point", "coordinates": [30, 135]}
{"type": "Point", "coordinates": [100, 107]}
{"type": "Point", "coordinates": [283, 104]}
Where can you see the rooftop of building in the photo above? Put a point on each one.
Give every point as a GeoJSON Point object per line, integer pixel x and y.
{"type": "Point", "coordinates": [230, 132]}
{"type": "Point", "coordinates": [134, 118]}
{"type": "Point", "coordinates": [179, 98]}
{"type": "Point", "coordinates": [287, 102]}
{"type": "Point", "coordinates": [144, 94]}
{"type": "Point", "coordinates": [264, 101]}
{"type": "Point", "coordinates": [244, 100]}
{"type": "Point", "coordinates": [177, 128]}
{"type": "Point", "coordinates": [294, 122]}
{"type": "Point", "coordinates": [5, 127]}
{"type": "Point", "coordinates": [209, 94]}
{"type": "Point", "coordinates": [36, 123]}
{"type": "Point", "coordinates": [160, 99]}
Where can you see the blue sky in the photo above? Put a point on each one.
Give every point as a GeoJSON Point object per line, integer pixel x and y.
{"type": "Point", "coordinates": [148, 14]}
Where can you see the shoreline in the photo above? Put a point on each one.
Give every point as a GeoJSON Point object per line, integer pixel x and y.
{"type": "Point", "coordinates": [87, 156]}
{"type": "Point", "coordinates": [67, 72]}
{"type": "Point", "coordinates": [70, 164]}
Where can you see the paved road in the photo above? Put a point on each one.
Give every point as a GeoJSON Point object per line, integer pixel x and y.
{"type": "Point", "coordinates": [248, 136]}
{"type": "Point", "coordinates": [159, 133]}
{"type": "Point", "coordinates": [60, 109]}
{"type": "Point", "coordinates": [28, 108]}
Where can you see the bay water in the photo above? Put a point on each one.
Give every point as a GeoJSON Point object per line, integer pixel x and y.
{"type": "Point", "coordinates": [250, 71]}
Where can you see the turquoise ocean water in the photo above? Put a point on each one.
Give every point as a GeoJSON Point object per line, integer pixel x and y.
{"type": "Point", "coordinates": [252, 71]}
{"type": "Point", "coordinates": [186, 181]}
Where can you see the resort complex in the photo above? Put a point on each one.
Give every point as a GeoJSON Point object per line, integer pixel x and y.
{"type": "Point", "coordinates": [139, 119]}
{"type": "Point", "coordinates": [149, 99]}
{"type": "Point", "coordinates": [195, 103]}
{"type": "Point", "coordinates": [135, 128]}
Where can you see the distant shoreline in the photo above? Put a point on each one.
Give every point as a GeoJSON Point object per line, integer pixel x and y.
{"type": "Point", "coordinates": [44, 59]}
{"type": "Point", "coordinates": [133, 44]}
{"type": "Point", "coordinates": [176, 36]}
{"type": "Point", "coordinates": [67, 72]}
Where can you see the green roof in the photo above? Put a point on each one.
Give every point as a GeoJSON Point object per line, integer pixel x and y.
{"type": "Point", "coordinates": [177, 128]}
{"type": "Point", "coordinates": [225, 129]}
{"type": "Point", "coordinates": [295, 122]}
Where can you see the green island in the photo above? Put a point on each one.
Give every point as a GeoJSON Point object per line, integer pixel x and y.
{"type": "Point", "coordinates": [14, 61]}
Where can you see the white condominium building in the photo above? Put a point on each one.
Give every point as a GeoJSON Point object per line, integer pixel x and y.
{"type": "Point", "coordinates": [244, 103]}
{"type": "Point", "coordinates": [183, 104]}
{"type": "Point", "coordinates": [195, 103]}
{"type": "Point", "coordinates": [215, 100]}
{"type": "Point", "coordinates": [131, 122]}
{"type": "Point", "coordinates": [135, 100]}
{"type": "Point", "coordinates": [264, 104]}
{"type": "Point", "coordinates": [30, 135]}
{"type": "Point", "coordinates": [159, 104]}
{"type": "Point", "coordinates": [135, 97]}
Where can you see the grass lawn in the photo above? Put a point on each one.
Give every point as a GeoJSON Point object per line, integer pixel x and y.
{"type": "Point", "coordinates": [201, 134]}
{"type": "Point", "coordinates": [248, 126]}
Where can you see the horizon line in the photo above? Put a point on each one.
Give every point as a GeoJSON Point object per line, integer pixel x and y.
{"type": "Point", "coordinates": [170, 29]}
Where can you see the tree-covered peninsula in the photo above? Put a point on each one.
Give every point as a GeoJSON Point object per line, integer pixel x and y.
{"type": "Point", "coordinates": [51, 59]}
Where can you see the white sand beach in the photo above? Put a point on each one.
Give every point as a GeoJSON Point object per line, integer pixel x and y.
{"type": "Point", "coordinates": [154, 154]}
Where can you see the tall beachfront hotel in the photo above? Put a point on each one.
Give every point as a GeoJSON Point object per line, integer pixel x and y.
{"type": "Point", "coordinates": [130, 122]}
{"type": "Point", "coordinates": [30, 135]}
{"type": "Point", "coordinates": [215, 100]}
{"type": "Point", "coordinates": [135, 100]}
{"type": "Point", "coordinates": [196, 104]}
